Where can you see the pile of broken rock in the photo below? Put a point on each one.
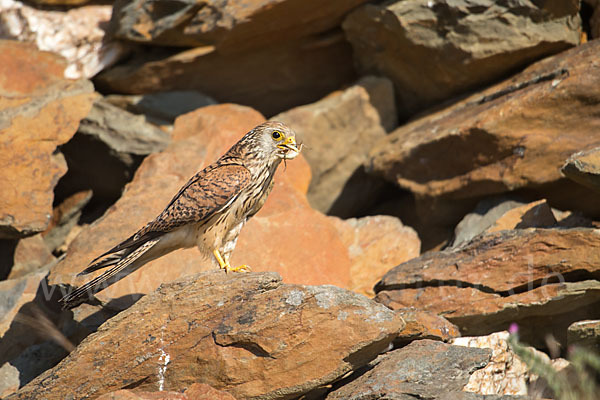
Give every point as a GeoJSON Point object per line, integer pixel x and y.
{"type": "Point", "coordinates": [448, 189]}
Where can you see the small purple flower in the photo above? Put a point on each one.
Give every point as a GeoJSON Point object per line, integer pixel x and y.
{"type": "Point", "coordinates": [513, 329]}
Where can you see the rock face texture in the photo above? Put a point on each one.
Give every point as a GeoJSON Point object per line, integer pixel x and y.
{"type": "Point", "coordinates": [465, 129]}
{"type": "Point", "coordinates": [423, 369]}
{"type": "Point", "coordinates": [436, 50]}
{"type": "Point", "coordinates": [247, 334]}
{"type": "Point", "coordinates": [229, 26]}
{"type": "Point", "coordinates": [584, 168]}
{"type": "Point", "coordinates": [542, 279]}
{"type": "Point", "coordinates": [514, 135]}
{"type": "Point", "coordinates": [40, 111]}
{"type": "Point", "coordinates": [375, 244]}
{"type": "Point", "coordinates": [109, 142]}
{"type": "Point", "coordinates": [296, 73]}
{"type": "Point", "coordinates": [338, 132]}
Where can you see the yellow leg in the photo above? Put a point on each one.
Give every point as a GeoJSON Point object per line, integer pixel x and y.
{"type": "Point", "coordinates": [224, 264]}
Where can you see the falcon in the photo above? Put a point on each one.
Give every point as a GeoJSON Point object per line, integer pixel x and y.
{"type": "Point", "coordinates": [209, 211]}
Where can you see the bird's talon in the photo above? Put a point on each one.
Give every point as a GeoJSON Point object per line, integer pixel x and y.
{"type": "Point", "coordinates": [240, 268]}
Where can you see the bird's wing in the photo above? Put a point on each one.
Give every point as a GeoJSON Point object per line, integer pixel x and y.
{"type": "Point", "coordinates": [208, 192]}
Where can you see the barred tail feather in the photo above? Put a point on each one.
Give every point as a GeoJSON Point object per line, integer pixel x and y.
{"type": "Point", "coordinates": [123, 266]}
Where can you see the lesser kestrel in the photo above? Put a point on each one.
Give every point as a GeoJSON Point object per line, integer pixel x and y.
{"type": "Point", "coordinates": [209, 210]}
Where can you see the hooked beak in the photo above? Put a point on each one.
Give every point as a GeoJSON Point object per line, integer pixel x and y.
{"type": "Point", "coordinates": [289, 148]}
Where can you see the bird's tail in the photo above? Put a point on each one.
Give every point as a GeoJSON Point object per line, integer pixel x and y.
{"type": "Point", "coordinates": [124, 264]}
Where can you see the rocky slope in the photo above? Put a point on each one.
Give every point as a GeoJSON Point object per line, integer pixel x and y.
{"type": "Point", "coordinates": [447, 192]}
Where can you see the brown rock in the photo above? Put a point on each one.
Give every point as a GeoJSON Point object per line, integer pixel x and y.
{"type": "Point", "coordinates": [338, 132]}
{"type": "Point", "coordinates": [487, 144]}
{"type": "Point", "coordinates": [76, 34]}
{"type": "Point", "coordinates": [375, 244]}
{"type": "Point", "coordinates": [110, 142]}
{"type": "Point", "coordinates": [543, 279]}
{"type": "Point", "coordinates": [40, 111]}
{"type": "Point", "coordinates": [584, 168]}
{"type": "Point", "coordinates": [64, 219]}
{"type": "Point", "coordinates": [435, 51]}
{"type": "Point", "coordinates": [424, 325]}
{"type": "Point", "coordinates": [424, 369]}
{"type": "Point", "coordinates": [270, 79]}
{"type": "Point", "coordinates": [230, 27]}
{"type": "Point", "coordinates": [247, 334]}
{"type": "Point", "coordinates": [198, 391]}
{"type": "Point", "coordinates": [30, 255]}
{"type": "Point", "coordinates": [290, 237]}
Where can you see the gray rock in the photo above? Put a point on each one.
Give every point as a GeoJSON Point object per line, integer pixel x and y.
{"type": "Point", "coordinates": [585, 334]}
{"type": "Point", "coordinates": [482, 217]}
{"type": "Point", "coordinates": [425, 369]}
{"type": "Point", "coordinates": [434, 50]}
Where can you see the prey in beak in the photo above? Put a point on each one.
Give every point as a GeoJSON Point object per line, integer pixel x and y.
{"type": "Point", "coordinates": [289, 148]}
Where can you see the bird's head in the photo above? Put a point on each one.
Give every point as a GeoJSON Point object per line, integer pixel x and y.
{"type": "Point", "coordinates": [279, 139]}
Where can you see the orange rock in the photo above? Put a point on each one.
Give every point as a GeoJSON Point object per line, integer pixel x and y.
{"type": "Point", "coordinates": [543, 279]}
{"type": "Point", "coordinates": [424, 325]}
{"type": "Point", "coordinates": [533, 215]}
{"type": "Point", "coordinates": [40, 111]}
{"type": "Point", "coordinates": [247, 334]}
{"type": "Point", "coordinates": [198, 391]}
{"type": "Point", "coordinates": [284, 236]}
{"type": "Point", "coordinates": [375, 245]}
{"type": "Point", "coordinates": [30, 255]}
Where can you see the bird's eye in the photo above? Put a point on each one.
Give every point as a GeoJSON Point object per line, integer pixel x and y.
{"type": "Point", "coordinates": [277, 135]}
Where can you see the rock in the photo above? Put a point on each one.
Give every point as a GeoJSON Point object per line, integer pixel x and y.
{"type": "Point", "coordinates": [505, 374]}
{"type": "Point", "coordinates": [15, 295]}
{"type": "Point", "coordinates": [584, 168]}
{"type": "Point", "coordinates": [424, 369]}
{"type": "Point", "coordinates": [375, 244]}
{"type": "Point", "coordinates": [9, 380]}
{"type": "Point", "coordinates": [64, 219]}
{"type": "Point", "coordinates": [486, 143]}
{"type": "Point", "coordinates": [338, 132]}
{"type": "Point", "coordinates": [40, 111]}
{"type": "Point", "coordinates": [506, 215]}
{"type": "Point", "coordinates": [298, 72]}
{"type": "Point", "coordinates": [230, 27]}
{"type": "Point", "coordinates": [76, 34]}
{"type": "Point", "coordinates": [247, 334]}
{"type": "Point", "coordinates": [308, 249]}
{"type": "Point", "coordinates": [533, 215]}
{"type": "Point", "coordinates": [594, 20]}
{"type": "Point", "coordinates": [36, 359]}
{"type": "Point", "coordinates": [434, 51]}
{"type": "Point", "coordinates": [198, 391]}
{"type": "Point", "coordinates": [542, 279]}
{"type": "Point", "coordinates": [30, 255]}
{"type": "Point", "coordinates": [161, 107]}
{"type": "Point", "coordinates": [485, 214]}
{"type": "Point", "coordinates": [109, 142]}
{"type": "Point", "coordinates": [424, 325]}
{"type": "Point", "coordinates": [585, 334]}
